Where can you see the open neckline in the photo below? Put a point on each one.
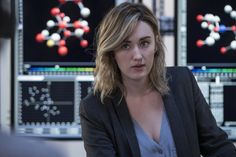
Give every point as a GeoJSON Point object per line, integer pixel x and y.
{"type": "Point", "coordinates": [146, 135]}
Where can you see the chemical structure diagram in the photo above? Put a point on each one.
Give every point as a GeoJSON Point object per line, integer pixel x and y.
{"type": "Point", "coordinates": [41, 100]}
{"type": "Point", "coordinates": [65, 28]}
{"type": "Point", "coordinates": [212, 23]}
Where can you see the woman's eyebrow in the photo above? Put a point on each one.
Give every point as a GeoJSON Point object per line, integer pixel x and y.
{"type": "Point", "coordinates": [143, 38]}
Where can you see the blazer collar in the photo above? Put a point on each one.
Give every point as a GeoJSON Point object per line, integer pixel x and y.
{"type": "Point", "coordinates": [177, 127]}
{"type": "Point", "coordinates": [126, 122]}
{"type": "Point", "coordinates": [176, 124]}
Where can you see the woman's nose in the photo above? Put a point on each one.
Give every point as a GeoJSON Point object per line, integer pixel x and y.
{"type": "Point", "coordinates": [137, 53]}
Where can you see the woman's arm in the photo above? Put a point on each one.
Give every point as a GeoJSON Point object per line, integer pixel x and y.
{"type": "Point", "coordinates": [96, 140]}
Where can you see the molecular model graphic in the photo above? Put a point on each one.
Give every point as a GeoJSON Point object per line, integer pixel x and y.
{"type": "Point", "coordinates": [65, 28]}
{"type": "Point", "coordinates": [212, 23]}
{"type": "Point", "coordinates": [40, 99]}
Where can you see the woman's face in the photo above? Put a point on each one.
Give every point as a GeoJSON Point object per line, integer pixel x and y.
{"type": "Point", "coordinates": [135, 55]}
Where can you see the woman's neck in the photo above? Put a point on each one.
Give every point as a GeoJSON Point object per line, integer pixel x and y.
{"type": "Point", "coordinates": [137, 87]}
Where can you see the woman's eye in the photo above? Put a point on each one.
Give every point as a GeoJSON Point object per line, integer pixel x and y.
{"type": "Point", "coordinates": [125, 46]}
{"type": "Point", "coordinates": [144, 44]}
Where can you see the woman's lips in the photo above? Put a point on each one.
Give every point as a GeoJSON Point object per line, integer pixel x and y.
{"type": "Point", "coordinates": [138, 67]}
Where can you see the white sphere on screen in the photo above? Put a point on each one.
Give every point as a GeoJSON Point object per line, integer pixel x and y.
{"type": "Point", "coordinates": [233, 44]}
{"type": "Point", "coordinates": [209, 17]}
{"type": "Point", "coordinates": [217, 18]}
{"type": "Point", "coordinates": [228, 9]}
{"type": "Point", "coordinates": [204, 25]}
{"type": "Point", "coordinates": [233, 14]}
{"type": "Point", "coordinates": [84, 23]}
{"type": "Point", "coordinates": [215, 35]}
{"type": "Point", "coordinates": [66, 19]}
{"type": "Point", "coordinates": [50, 23]}
{"type": "Point", "coordinates": [45, 32]}
{"type": "Point", "coordinates": [79, 32]}
{"type": "Point", "coordinates": [55, 37]}
{"type": "Point", "coordinates": [211, 27]}
{"type": "Point", "coordinates": [85, 12]}
{"type": "Point", "coordinates": [210, 41]}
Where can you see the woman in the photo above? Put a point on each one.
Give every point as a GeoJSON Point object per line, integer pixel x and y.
{"type": "Point", "coordinates": [140, 108]}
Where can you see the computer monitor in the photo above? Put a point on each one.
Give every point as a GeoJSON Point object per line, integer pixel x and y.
{"type": "Point", "coordinates": [53, 63]}
{"type": "Point", "coordinates": [205, 42]}
{"type": "Point", "coordinates": [54, 36]}
{"type": "Point", "coordinates": [49, 106]}
{"type": "Point", "coordinates": [206, 32]}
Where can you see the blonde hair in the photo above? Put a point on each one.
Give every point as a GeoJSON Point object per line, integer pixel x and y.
{"type": "Point", "coordinates": [117, 26]}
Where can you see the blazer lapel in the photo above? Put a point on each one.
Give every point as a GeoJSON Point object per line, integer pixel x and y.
{"type": "Point", "coordinates": [176, 124]}
{"type": "Point", "coordinates": [177, 127]}
{"type": "Point", "coordinates": [126, 123]}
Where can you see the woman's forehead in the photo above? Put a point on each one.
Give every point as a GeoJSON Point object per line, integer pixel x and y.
{"type": "Point", "coordinates": [141, 30]}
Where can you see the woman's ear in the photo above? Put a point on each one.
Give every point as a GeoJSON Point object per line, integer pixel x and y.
{"type": "Point", "coordinates": [156, 40]}
{"type": "Point", "coordinates": [155, 53]}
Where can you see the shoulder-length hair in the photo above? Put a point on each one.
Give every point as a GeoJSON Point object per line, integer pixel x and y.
{"type": "Point", "coordinates": [115, 28]}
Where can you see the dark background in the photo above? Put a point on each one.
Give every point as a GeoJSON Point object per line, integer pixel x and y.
{"type": "Point", "coordinates": [209, 55]}
{"type": "Point", "coordinates": [35, 16]}
{"type": "Point", "coordinates": [5, 18]}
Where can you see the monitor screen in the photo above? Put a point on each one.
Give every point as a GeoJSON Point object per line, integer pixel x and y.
{"type": "Point", "coordinates": [50, 108]}
{"type": "Point", "coordinates": [206, 33]}
{"type": "Point", "coordinates": [47, 102]}
{"type": "Point", "coordinates": [205, 42]}
{"type": "Point", "coordinates": [230, 104]}
{"type": "Point", "coordinates": [58, 34]}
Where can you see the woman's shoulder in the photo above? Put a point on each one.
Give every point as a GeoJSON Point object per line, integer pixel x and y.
{"type": "Point", "coordinates": [178, 75]}
{"type": "Point", "coordinates": [91, 100]}
{"type": "Point", "coordinates": [91, 107]}
{"type": "Point", "coordinates": [177, 70]}
{"type": "Point", "coordinates": [90, 97]}
{"type": "Point", "coordinates": [94, 109]}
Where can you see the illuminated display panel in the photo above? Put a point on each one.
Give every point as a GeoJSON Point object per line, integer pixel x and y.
{"type": "Point", "coordinates": [214, 69]}
{"type": "Point", "coordinates": [210, 55]}
{"type": "Point", "coordinates": [50, 108]}
{"type": "Point", "coordinates": [189, 31]}
{"type": "Point", "coordinates": [38, 56]}
{"type": "Point", "coordinates": [47, 102]}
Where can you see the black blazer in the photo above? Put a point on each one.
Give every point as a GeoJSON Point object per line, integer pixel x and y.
{"type": "Point", "coordinates": [108, 131]}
